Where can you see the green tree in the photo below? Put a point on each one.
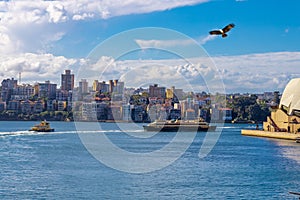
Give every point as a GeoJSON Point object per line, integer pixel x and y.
{"type": "Point", "coordinates": [254, 112]}
{"type": "Point", "coordinates": [246, 108]}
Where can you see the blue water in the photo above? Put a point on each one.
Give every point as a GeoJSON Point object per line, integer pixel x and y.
{"type": "Point", "coordinates": [58, 166]}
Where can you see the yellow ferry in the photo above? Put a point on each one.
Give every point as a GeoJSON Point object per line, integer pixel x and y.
{"type": "Point", "coordinates": [44, 126]}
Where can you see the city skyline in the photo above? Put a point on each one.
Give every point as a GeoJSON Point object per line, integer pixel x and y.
{"type": "Point", "coordinates": [107, 85]}
{"type": "Point", "coordinates": [112, 101]}
{"type": "Point", "coordinates": [42, 39]}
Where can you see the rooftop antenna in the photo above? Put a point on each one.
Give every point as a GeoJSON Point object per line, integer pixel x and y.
{"type": "Point", "coordinates": [20, 78]}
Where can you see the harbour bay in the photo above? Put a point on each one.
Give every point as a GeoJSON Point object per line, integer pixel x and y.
{"type": "Point", "coordinates": [58, 166]}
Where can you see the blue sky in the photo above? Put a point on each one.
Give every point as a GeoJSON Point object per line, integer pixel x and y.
{"type": "Point", "coordinates": [262, 53]}
{"type": "Point", "coordinates": [261, 26]}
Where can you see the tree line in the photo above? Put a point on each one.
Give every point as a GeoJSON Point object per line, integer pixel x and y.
{"type": "Point", "coordinates": [247, 108]}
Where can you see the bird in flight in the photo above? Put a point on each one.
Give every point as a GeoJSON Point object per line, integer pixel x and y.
{"type": "Point", "coordinates": [222, 31]}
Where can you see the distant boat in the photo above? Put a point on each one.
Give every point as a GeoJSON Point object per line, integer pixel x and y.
{"type": "Point", "coordinates": [242, 121]}
{"type": "Point", "coordinates": [44, 126]}
{"type": "Point", "coordinates": [179, 125]}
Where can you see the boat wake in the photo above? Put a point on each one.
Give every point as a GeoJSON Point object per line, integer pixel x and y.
{"type": "Point", "coordinates": [17, 133]}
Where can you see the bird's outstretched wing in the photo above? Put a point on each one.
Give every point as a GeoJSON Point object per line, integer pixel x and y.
{"type": "Point", "coordinates": [227, 28]}
{"type": "Point", "coordinates": [215, 32]}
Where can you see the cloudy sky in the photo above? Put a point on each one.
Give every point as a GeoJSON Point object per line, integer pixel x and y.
{"type": "Point", "coordinates": [41, 39]}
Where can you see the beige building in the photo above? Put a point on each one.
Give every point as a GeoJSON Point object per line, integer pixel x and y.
{"type": "Point", "coordinates": [172, 93]}
{"type": "Point", "coordinates": [286, 118]}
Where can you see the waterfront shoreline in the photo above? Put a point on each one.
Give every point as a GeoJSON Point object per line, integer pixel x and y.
{"type": "Point", "coordinates": [268, 134]}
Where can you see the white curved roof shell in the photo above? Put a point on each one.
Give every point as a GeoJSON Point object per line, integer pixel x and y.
{"type": "Point", "coordinates": [291, 96]}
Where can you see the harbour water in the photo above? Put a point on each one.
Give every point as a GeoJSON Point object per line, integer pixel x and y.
{"type": "Point", "coordinates": [58, 166]}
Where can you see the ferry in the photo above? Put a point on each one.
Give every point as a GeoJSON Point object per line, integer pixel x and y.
{"type": "Point", "coordinates": [44, 126]}
{"type": "Point", "coordinates": [179, 125]}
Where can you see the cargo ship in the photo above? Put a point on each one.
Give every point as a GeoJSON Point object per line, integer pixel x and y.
{"type": "Point", "coordinates": [44, 126]}
{"type": "Point", "coordinates": [179, 125]}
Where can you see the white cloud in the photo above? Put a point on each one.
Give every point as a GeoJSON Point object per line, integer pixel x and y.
{"type": "Point", "coordinates": [258, 72]}
{"type": "Point", "coordinates": [83, 16]}
{"type": "Point", "coordinates": [36, 67]}
{"type": "Point", "coordinates": [163, 43]}
{"type": "Point", "coordinates": [207, 39]}
{"type": "Point", "coordinates": [141, 73]}
{"type": "Point", "coordinates": [31, 26]}
{"type": "Point", "coordinates": [243, 73]}
{"type": "Point", "coordinates": [57, 13]}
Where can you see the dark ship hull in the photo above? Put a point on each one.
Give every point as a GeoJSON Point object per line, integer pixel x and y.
{"type": "Point", "coordinates": [184, 126]}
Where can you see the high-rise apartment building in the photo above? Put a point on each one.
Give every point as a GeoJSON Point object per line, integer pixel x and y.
{"type": "Point", "coordinates": [67, 81]}
{"type": "Point", "coordinates": [95, 85]}
{"type": "Point", "coordinates": [155, 91]}
{"type": "Point", "coordinates": [46, 90]}
{"type": "Point", "coordinates": [83, 86]}
{"type": "Point", "coordinates": [7, 88]}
